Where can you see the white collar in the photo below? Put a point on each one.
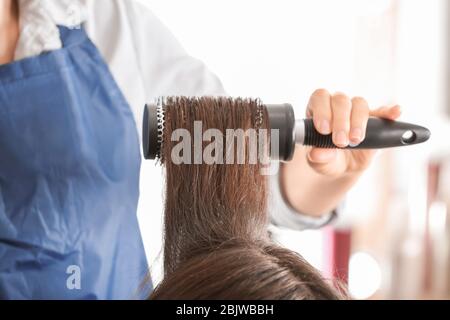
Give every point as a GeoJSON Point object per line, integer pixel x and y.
{"type": "Point", "coordinates": [39, 20]}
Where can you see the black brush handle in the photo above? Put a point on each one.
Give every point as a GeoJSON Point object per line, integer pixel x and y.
{"type": "Point", "coordinates": [380, 133]}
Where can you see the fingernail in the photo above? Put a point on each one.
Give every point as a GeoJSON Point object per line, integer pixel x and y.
{"type": "Point", "coordinates": [340, 139]}
{"type": "Point", "coordinates": [325, 127]}
{"type": "Point", "coordinates": [356, 135]}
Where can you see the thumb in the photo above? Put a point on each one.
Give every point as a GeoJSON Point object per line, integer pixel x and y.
{"type": "Point", "coordinates": [319, 156]}
{"type": "Point", "coordinates": [328, 162]}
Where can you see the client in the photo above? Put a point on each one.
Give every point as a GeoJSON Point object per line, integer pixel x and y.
{"type": "Point", "coordinates": [216, 239]}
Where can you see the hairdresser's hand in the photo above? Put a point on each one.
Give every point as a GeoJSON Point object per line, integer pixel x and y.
{"type": "Point", "coordinates": [346, 118]}
{"type": "Point", "coordinates": [316, 180]}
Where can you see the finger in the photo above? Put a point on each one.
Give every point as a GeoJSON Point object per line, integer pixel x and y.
{"type": "Point", "coordinates": [341, 107]}
{"type": "Point", "coordinates": [319, 109]}
{"type": "Point", "coordinates": [358, 122]}
{"type": "Point", "coordinates": [385, 112]}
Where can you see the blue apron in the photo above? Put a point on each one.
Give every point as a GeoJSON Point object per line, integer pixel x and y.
{"type": "Point", "coordinates": [69, 179]}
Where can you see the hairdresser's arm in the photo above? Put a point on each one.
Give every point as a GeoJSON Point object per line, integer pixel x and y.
{"type": "Point", "coordinates": [316, 180]}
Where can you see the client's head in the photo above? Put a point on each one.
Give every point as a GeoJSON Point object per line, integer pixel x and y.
{"type": "Point", "coordinates": [216, 239]}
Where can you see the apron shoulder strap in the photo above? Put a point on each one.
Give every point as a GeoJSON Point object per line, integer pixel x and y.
{"type": "Point", "coordinates": [72, 36]}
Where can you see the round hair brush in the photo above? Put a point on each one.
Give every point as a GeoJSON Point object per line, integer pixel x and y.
{"type": "Point", "coordinates": [380, 133]}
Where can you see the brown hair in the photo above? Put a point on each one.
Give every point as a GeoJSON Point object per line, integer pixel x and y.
{"type": "Point", "coordinates": [216, 241]}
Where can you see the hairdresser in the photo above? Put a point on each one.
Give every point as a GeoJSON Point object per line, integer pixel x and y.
{"type": "Point", "coordinates": [74, 76]}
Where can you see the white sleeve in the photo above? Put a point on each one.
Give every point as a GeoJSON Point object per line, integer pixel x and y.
{"type": "Point", "coordinates": [168, 70]}
{"type": "Point", "coordinates": [283, 215]}
{"type": "Point", "coordinates": [166, 67]}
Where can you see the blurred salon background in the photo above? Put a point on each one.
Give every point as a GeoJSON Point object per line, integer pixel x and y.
{"type": "Point", "coordinates": [392, 239]}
